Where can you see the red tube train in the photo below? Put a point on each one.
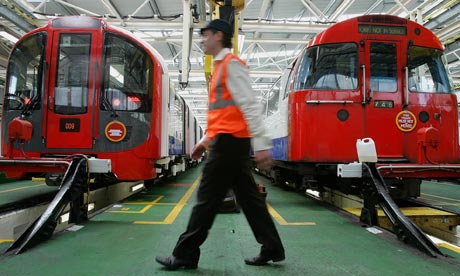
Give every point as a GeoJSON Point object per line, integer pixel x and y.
{"type": "Point", "coordinates": [376, 76]}
{"type": "Point", "coordinates": [81, 86]}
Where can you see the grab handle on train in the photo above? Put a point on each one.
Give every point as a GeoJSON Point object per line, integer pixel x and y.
{"type": "Point", "coordinates": [406, 89]}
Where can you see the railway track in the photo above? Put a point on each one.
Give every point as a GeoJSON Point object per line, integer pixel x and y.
{"type": "Point", "coordinates": [18, 217]}
{"type": "Point", "coordinates": [435, 221]}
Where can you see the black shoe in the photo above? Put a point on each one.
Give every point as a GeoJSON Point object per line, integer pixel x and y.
{"type": "Point", "coordinates": [264, 259]}
{"type": "Point", "coordinates": [173, 263]}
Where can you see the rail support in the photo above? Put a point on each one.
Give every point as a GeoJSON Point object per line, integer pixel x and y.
{"type": "Point", "coordinates": [71, 191]}
{"type": "Point", "coordinates": [374, 192]}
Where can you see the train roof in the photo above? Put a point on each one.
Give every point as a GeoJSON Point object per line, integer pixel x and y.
{"type": "Point", "coordinates": [90, 22]}
{"type": "Point", "coordinates": [350, 31]}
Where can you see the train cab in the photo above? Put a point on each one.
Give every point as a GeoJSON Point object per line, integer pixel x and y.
{"type": "Point", "coordinates": [90, 88]}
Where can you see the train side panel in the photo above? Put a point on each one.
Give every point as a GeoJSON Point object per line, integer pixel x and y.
{"type": "Point", "coordinates": [275, 113]}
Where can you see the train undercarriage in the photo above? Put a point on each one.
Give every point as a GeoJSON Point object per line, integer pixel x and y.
{"type": "Point", "coordinates": [367, 181]}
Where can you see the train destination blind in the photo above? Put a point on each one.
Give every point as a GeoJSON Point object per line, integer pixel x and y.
{"type": "Point", "coordinates": [382, 29]}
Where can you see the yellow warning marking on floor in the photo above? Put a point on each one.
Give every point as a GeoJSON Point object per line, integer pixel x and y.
{"type": "Point", "coordinates": [42, 179]}
{"type": "Point", "coordinates": [21, 188]}
{"type": "Point", "coordinates": [450, 247]}
{"type": "Point", "coordinates": [282, 221]}
{"type": "Point", "coordinates": [354, 211]}
{"type": "Point", "coordinates": [407, 211]}
{"type": "Point", "coordinates": [2, 240]}
{"type": "Point", "coordinates": [148, 202]}
{"type": "Point", "coordinates": [143, 210]}
{"type": "Point", "coordinates": [171, 217]}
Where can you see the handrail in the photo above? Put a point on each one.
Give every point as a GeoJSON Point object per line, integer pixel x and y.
{"type": "Point", "coordinates": [406, 89]}
{"type": "Point", "coordinates": [329, 102]}
{"type": "Point", "coordinates": [363, 67]}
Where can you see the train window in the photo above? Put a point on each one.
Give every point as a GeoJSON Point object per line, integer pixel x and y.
{"type": "Point", "coordinates": [264, 103]}
{"type": "Point", "coordinates": [25, 73]}
{"type": "Point", "coordinates": [127, 76]}
{"type": "Point", "coordinates": [71, 84]}
{"type": "Point", "coordinates": [329, 67]}
{"type": "Point", "coordinates": [427, 73]}
{"type": "Point", "coordinates": [176, 125]}
{"type": "Point", "coordinates": [383, 67]}
{"type": "Point", "coordinates": [286, 80]}
{"type": "Point", "coordinates": [273, 98]}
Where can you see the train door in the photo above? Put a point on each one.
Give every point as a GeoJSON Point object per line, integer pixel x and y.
{"type": "Point", "coordinates": [383, 98]}
{"type": "Point", "coordinates": [71, 90]}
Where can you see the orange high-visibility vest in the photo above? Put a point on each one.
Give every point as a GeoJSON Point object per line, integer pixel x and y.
{"type": "Point", "coordinates": [224, 116]}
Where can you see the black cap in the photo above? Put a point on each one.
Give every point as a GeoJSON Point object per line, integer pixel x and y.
{"type": "Point", "coordinates": [220, 25]}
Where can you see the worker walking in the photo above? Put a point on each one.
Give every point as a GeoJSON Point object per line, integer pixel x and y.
{"type": "Point", "coordinates": [234, 120]}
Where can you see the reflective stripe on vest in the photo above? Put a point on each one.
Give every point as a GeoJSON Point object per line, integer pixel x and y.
{"type": "Point", "coordinates": [221, 103]}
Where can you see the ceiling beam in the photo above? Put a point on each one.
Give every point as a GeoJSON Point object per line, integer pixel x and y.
{"type": "Point", "coordinates": [141, 7]}
{"type": "Point", "coordinates": [263, 9]}
{"type": "Point", "coordinates": [113, 10]}
{"type": "Point", "coordinates": [434, 19]}
{"type": "Point", "coordinates": [344, 6]}
{"type": "Point", "coordinates": [314, 10]}
{"type": "Point", "coordinates": [84, 11]}
{"type": "Point", "coordinates": [248, 25]}
{"type": "Point", "coordinates": [373, 7]}
{"type": "Point", "coordinates": [402, 6]}
{"type": "Point", "coordinates": [197, 39]}
{"type": "Point", "coordinates": [447, 31]}
{"type": "Point", "coordinates": [15, 15]}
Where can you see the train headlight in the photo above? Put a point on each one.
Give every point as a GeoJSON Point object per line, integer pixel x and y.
{"type": "Point", "coordinates": [116, 102]}
{"type": "Point", "coordinates": [343, 115]}
{"type": "Point", "coordinates": [423, 116]}
{"type": "Point", "coordinates": [134, 99]}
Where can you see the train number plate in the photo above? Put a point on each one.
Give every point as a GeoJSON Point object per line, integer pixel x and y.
{"type": "Point", "coordinates": [384, 104]}
{"type": "Point", "coordinates": [69, 125]}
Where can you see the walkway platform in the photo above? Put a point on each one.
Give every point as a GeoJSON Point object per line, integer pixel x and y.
{"type": "Point", "coordinates": [319, 240]}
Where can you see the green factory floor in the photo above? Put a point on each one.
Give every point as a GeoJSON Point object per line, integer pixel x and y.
{"type": "Point", "coordinates": [441, 194]}
{"type": "Point", "coordinates": [319, 240]}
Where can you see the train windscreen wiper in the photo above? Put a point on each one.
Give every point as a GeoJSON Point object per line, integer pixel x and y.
{"type": "Point", "coordinates": [26, 109]}
{"type": "Point", "coordinates": [109, 106]}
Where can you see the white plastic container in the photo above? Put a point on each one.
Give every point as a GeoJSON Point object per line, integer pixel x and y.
{"type": "Point", "coordinates": [350, 170]}
{"type": "Point", "coordinates": [366, 150]}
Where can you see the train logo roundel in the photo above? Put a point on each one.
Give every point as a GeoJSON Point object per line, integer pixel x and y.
{"type": "Point", "coordinates": [115, 131]}
{"type": "Point", "coordinates": [406, 121]}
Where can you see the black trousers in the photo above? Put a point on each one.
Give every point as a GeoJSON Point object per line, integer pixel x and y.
{"type": "Point", "coordinates": [228, 166]}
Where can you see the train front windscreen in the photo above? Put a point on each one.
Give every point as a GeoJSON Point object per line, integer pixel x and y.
{"type": "Point", "coordinates": [25, 73]}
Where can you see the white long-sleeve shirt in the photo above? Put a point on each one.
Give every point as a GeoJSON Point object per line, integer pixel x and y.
{"type": "Point", "coordinates": [239, 85]}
